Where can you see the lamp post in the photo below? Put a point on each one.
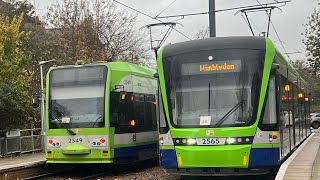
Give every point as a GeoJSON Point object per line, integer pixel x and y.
{"type": "Point", "coordinates": [41, 63]}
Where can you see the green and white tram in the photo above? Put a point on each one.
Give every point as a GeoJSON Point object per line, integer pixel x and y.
{"type": "Point", "coordinates": [229, 105]}
{"type": "Point", "coordinates": [101, 113]}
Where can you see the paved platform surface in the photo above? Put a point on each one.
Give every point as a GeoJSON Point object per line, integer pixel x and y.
{"type": "Point", "coordinates": [304, 163]}
{"type": "Point", "coordinates": [23, 160]}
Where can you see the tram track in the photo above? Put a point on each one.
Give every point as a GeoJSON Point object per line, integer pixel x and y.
{"type": "Point", "coordinates": [144, 171]}
{"type": "Point", "coordinates": [29, 172]}
{"type": "Point", "coordinates": [96, 171]}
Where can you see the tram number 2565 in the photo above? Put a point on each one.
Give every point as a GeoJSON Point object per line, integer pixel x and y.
{"type": "Point", "coordinates": [75, 140]}
{"type": "Point", "coordinates": [210, 141]}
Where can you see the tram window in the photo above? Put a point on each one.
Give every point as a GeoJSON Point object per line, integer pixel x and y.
{"type": "Point", "coordinates": [285, 98]}
{"type": "Point", "coordinates": [163, 128]}
{"type": "Point", "coordinates": [139, 109]}
{"type": "Point", "coordinates": [114, 115]}
{"type": "Point", "coordinates": [117, 110]}
{"type": "Point", "coordinates": [270, 114]}
{"type": "Point", "coordinates": [154, 113]}
{"type": "Point", "coordinates": [150, 113]}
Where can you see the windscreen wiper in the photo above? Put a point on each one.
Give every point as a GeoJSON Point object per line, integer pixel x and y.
{"type": "Point", "coordinates": [61, 123]}
{"type": "Point", "coordinates": [229, 113]}
{"type": "Point", "coordinates": [67, 128]}
{"type": "Point", "coordinates": [97, 120]}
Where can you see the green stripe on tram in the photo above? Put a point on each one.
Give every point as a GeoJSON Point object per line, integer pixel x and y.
{"type": "Point", "coordinates": [163, 85]}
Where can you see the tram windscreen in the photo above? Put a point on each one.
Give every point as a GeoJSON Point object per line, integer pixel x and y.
{"type": "Point", "coordinates": [217, 88]}
{"type": "Point", "coordinates": [76, 97]}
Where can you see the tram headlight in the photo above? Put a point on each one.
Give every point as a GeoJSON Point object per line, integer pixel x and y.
{"type": "Point", "coordinates": [161, 139]}
{"type": "Point", "coordinates": [185, 141]}
{"type": "Point", "coordinates": [191, 141]}
{"type": "Point", "coordinates": [231, 140]}
{"type": "Point", "coordinates": [239, 140]}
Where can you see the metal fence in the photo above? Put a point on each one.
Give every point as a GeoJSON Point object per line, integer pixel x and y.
{"type": "Point", "coordinates": [21, 141]}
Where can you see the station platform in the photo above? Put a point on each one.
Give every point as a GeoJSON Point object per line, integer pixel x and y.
{"type": "Point", "coordinates": [304, 163]}
{"type": "Point", "coordinates": [21, 161]}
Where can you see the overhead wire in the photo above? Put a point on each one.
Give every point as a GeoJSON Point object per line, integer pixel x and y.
{"type": "Point", "coordinates": [133, 9]}
{"type": "Point", "coordinates": [151, 17]}
{"type": "Point", "coordinates": [166, 8]}
{"type": "Point", "coordinates": [277, 34]}
{"type": "Point", "coordinates": [296, 51]}
{"type": "Point", "coordinates": [192, 14]}
{"type": "Point", "coordinates": [256, 26]}
{"type": "Point", "coordinates": [219, 10]}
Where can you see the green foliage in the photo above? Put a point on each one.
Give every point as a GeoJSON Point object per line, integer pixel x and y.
{"type": "Point", "coordinates": [86, 30]}
{"type": "Point", "coordinates": [15, 106]}
{"type": "Point", "coordinates": [16, 8]}
{"type": "Point", "coordinates": [312, 41]}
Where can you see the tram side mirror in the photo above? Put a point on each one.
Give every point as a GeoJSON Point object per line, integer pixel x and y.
{"type": "Point", "coordinates": [36, 101]}
{"type": "Point", "coordinates": [123, 96]}
{"type": "Point", "coordinates": [156, 75]}
{"type": "Point", "coordinates": [275, 66]}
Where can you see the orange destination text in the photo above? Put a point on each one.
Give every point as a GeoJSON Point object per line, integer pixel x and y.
{"type": "Point", "coordinates": [217, 67]}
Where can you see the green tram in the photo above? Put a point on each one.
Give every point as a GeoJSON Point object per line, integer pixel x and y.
{"type": "Point", "coordinates": [101, 113]}
{"type": "Point", "coordinates": [229, 105]}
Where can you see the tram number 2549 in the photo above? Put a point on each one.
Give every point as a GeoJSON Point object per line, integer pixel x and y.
{"type": "Point", "coordinates": [75, 140]}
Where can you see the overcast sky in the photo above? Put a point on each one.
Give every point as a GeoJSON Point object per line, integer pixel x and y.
{"type": "Point", "coordinates": [288, 22]}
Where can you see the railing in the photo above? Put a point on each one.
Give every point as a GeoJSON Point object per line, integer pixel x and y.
{"type": "Point", "coordinates": [21, 141]}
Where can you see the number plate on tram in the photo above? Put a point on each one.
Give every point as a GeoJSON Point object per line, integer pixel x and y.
{"type": "Point", "coordinates": [75, 140]}
{"type": "Point", "coordinates": [211, 141]}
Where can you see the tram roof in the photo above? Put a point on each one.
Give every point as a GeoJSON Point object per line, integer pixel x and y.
{"type": "Point", "coordinates": [233, 42]}
{"type": "Point", "coordinates": [132, 68]}
{"type": "Point", "coordinates": [124, 67]}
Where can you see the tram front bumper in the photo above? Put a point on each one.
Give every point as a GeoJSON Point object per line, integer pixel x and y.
{"type": "Point", "coordinates": [94, 156]}
{"type": "Point", "coordinates": [217, 171]}
{"type": "Point", "coordinates": [226, 156]}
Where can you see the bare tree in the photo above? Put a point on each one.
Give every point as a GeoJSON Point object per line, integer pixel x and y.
{"type": "Point", "coordinates": [96, 31]}
{"type": "Point", "coordinates": [203, 33]}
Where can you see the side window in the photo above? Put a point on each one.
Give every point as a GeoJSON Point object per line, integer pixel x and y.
{"type": "Point", "coordinates": [139, 109]}
{"type": "Point", "coordinates": [114, 109]}
{"type": "Point", "coordinates": [150, 111]}
{"type": "Point", "coordinates": [270, 113]}
{"type": "Point", "coordinates": [120, 113]}
{"type": "Point", "coordinates": [163, 127]}
{"type": "Point", "coordinates": [285, 99]}
{"type": "Point", "coordinates": [118, 110]}
{"type": "Point", "coordinates": [294, 106]}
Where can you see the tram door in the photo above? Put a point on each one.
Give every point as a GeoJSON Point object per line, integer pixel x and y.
{"type": "Point", "coordinates": [272, 102]}
{"type": "Point", "coordinates": [270, 122]}
{"type": "Point", "coordinates": [285, 117]}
